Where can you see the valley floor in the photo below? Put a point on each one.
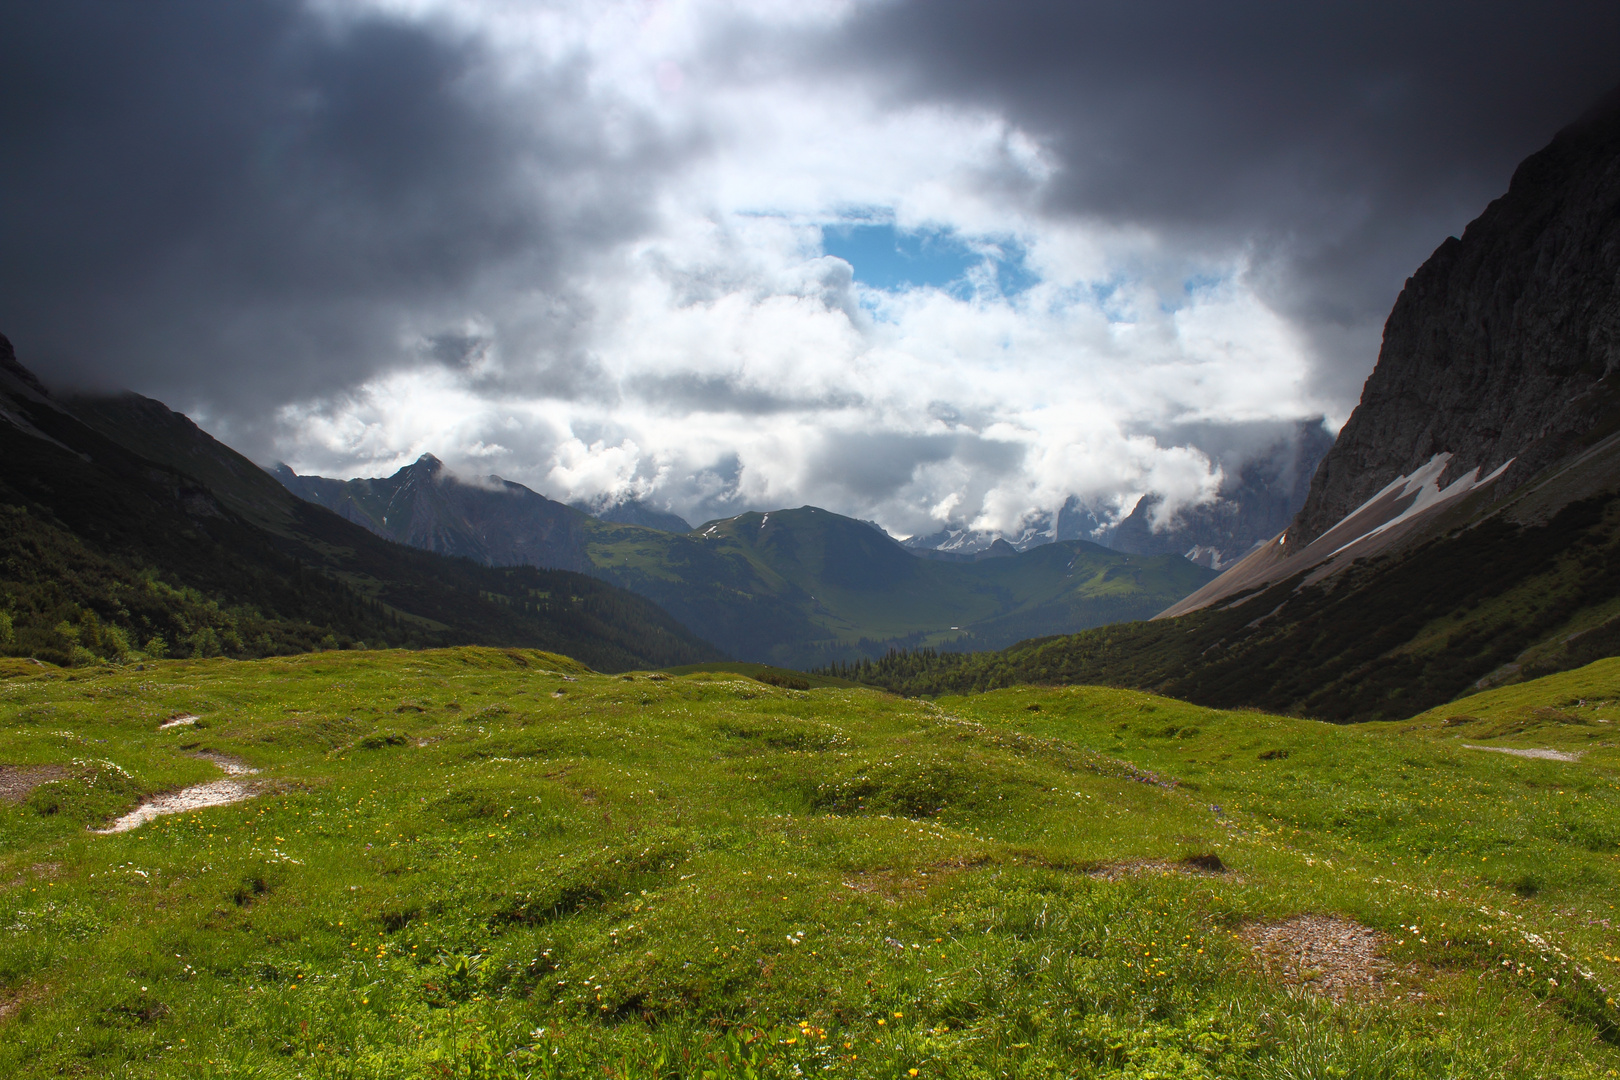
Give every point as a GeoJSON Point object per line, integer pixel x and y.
{"type": "Point", "coordinates": [480, 862]}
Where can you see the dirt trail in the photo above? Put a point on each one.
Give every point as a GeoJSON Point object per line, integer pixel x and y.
{"type": "Point", "coordinates": [228, 765]}
{"type": "Point", "coordinates": [216, 793]}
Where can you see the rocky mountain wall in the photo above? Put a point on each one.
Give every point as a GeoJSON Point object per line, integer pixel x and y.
{"type": "Point", "coordinates": [1504, 345]}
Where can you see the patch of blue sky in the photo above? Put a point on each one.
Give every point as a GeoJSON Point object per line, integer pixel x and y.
{"type": "Point", "coordinates": [1193, 286]}
{"type": "Point", "coordinates": [894, 260]}
{"type": "Point", "coordinates": [1110, 296]}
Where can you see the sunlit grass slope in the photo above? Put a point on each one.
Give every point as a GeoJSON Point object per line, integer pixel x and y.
{"type": "Point", "coordinates": [765, 673]}
{"type": "Point", "coordinates": [485, 863]}
{"type": "Point", "coordinates": [1573, 711]}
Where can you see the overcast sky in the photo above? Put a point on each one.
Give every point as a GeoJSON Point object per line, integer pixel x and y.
{"type": "Point", "coordinates": [928, 262]}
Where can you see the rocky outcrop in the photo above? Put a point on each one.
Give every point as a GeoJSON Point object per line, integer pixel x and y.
{"type": "Point", "coordinates": [1502, 348]}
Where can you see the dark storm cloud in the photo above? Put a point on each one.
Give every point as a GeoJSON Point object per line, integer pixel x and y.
{"type": "Point", "coordinates": [246, 203]}
{"type": "Point", "coordinates": [1339, 141]}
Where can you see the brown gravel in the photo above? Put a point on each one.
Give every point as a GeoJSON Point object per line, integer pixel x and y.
{"type": "Point", "coordinates": [17, 782]}
{"type": "Point", "coordinates": [1331, 956]}
{"type": "Point", "coordinates": [1196, 865]}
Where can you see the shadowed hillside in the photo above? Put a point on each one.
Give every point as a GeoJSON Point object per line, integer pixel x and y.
{"type": "Point", "coordinates": [111, 554]}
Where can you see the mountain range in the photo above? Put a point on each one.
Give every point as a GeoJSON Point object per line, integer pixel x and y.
{"type": "Point", "coordinates": [1261, 490]}
{"type": "Point", "coordinates": [135, 533]}
{"type": "Point", "coordinates": [1463, 531]}
{"type": "Point", "coordinates": [808, 587]}
{"type": "Point", "coordinates": [797, 587]}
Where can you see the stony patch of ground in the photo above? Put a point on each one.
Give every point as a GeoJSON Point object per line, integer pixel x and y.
{"type": "Point", "coordinates": [18, 781]}
{"type": "Point", "coordinates": [1335, 957]}
{"type": "Point", "coordinates": [1129, 868]}
{"type": "Point", "coordinates": [1545, 755]}
{"type": "Point", "coordinates": [197, 797]}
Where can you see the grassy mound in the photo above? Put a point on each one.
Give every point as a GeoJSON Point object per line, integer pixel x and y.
{"type": "Point", "coordinates": [786, 678]}
{"type": "Point", "coordinates": [482, 862]}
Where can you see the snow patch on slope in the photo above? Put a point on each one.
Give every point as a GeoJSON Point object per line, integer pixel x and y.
{"type": "Point", "coordinates": [1423, 487]}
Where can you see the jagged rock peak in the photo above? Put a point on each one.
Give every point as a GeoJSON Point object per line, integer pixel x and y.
{"type": "Point", "coordinates": [9, 366]}
{"type": "Point", "coordinates": [1504, 345]}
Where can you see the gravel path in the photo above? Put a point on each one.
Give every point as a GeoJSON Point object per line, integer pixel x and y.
{"type": "Point", "coordinates": [215, 793]}
{"type": "Point", "coordinates": [1546, 755]}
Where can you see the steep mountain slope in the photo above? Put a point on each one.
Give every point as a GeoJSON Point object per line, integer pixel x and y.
{"type": "Point", "coordinates": [108, 550]}
{"type": "Point", "coordinates": [804, 587]}
{"type": "Point", "coordinates": [1501, 349]}
{"type": "Point", "coordinates": [490, 520]}
{"type": "Point", "coordinates": [1498, 361]}
{"type": "Point", "coordinates": [1465, 529]}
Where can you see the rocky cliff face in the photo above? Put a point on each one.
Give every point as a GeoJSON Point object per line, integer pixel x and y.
{"type": "Point", "coordinates": [1503, 346]}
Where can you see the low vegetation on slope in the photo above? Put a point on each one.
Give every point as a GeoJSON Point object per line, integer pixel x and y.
{"type": "Point", "coordinates": [64, 601]}
{"type": "Point", "coordinates": [497, 863]}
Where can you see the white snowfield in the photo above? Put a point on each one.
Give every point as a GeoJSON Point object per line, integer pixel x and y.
{"type": "Point", "coordinates": [1423, 488]}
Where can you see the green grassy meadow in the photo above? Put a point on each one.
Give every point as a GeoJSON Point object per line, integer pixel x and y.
{"type": "Point", "coordinates": [480, 862]}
